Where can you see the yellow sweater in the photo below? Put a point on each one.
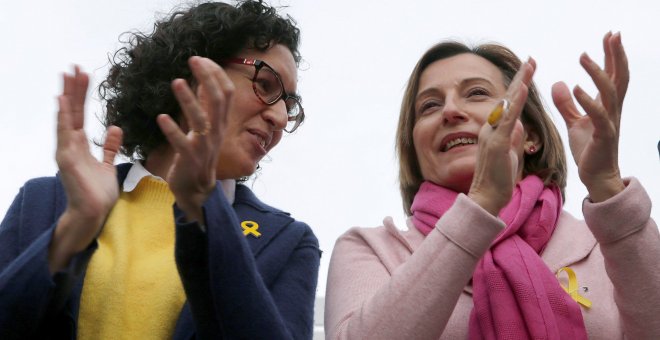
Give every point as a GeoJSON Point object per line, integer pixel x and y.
{"type": "Point", "coordinates": [132, 289]}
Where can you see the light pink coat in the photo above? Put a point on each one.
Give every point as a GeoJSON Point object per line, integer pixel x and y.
{"type": "Point", "coordinates": [385, 283]}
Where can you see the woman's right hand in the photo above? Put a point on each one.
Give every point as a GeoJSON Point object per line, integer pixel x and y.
{"type": "Point", "coordinates": [196, 143]}
{"type": "Point", "coordinates": [91, 186]}
{"type": "Point", "coordinates": [497, 165]}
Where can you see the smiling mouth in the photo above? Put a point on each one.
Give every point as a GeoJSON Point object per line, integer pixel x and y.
{"type": "Point", "coordinates": [262, 142]}
{"type": "Point", "coordinates": [262, 139]}
{"type": "Point", "coordinates": [459, 142]}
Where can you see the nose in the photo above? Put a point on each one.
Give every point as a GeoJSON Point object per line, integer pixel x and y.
{"type": "Point", "coordinates": [452, 112]}
{"type": "Point", "coordinates": [276, 115]}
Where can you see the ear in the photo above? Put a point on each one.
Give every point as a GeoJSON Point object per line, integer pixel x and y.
{"type": "Point", "coordinates": [533, 142]}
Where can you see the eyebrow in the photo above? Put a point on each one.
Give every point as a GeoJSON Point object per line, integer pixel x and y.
{"type": "Point", "coordinates": [462, 83]}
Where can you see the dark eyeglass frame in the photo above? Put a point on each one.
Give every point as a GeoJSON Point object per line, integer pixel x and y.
{"type": "Point", "coordinates": [258, 65]}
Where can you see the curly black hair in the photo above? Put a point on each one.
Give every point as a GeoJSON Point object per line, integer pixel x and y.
{"type": "Point", "coordinates": [137, 88]}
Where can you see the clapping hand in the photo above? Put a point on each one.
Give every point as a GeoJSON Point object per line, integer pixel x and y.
{"type": "Point", "coordinates": [497, 165]}
{"type": "Point", "coordinates": [91, 186]}
{"type": "Point", "coordinates": [192, 175]}
{"type": "Point", "coordinates": [594, 137]}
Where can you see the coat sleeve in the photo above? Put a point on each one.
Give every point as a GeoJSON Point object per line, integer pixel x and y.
{"type": "Point", "coordinates": [227, 293]}
{"type": "Point", "coordinates": [630, 243]}
{"type": "Point", "coordinates": [30, 297]}
{"type": "Point", "coordinates": [368, 299]}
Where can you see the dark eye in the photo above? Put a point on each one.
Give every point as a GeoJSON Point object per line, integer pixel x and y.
{"type": "Point", "coordinates": [265, 85]}
{"type": "Point", "coordinates": [478, 91]}
{"type": "Point", "coordinates": [429, 106]}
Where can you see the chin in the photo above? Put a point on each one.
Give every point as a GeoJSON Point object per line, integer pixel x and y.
{"type": "Point", "coordinates": [235, 168]}
{"type": "Point", "coordinates": [457, 177]}
{"type": "Point", "coordinates": [247, 170]}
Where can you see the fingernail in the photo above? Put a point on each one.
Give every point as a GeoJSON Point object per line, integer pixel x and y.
{"type": "Point", "coordinates": [585, 58]}
{"type": "Point", "coordinates": [577, 90]}
{"type": "Point", "coordinates": [531, 61]}
{"type": "Point", "coordinates": [195, 59]}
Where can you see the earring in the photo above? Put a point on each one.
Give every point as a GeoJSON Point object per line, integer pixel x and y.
{"type": "Point", "coordinates": [532, 149]}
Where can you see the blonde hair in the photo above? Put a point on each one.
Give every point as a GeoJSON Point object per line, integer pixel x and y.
{"type": "Point", "coordinates": [549, 163]}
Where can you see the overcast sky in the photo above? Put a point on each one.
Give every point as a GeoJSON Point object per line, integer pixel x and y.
{"type": "Point", "coordinates": [339, 169]}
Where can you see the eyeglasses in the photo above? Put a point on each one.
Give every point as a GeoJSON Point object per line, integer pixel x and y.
{"type": "Point", "coordinates": [268, 87]}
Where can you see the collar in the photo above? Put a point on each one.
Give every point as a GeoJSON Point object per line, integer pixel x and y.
{"type": "Point", "coordinates": [137, 172]}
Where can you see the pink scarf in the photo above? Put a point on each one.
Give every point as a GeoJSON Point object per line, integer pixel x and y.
{"type": "Point", "coordinates": [515, 294]}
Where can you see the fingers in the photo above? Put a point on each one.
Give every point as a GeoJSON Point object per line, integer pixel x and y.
{"type": "Point", "coordinates": [523, 76]}
{"type": "Point", "coordinates": [616, 64]}
{"type": "Point", "coordinates": [621, 71]}
{"type": "Point", "coordinates": [173, 133]}
{"type": "Point", "coordinates": [216, 90]}
{"type": "Point", "coordinates": [609, 62]}
{"type": "Point", "coordinates": [561, 96]}
{"type": "Point", "coordinates": [64, 119]}
{"type": "Point", "coordinates": [112, 144]}
{"type": "Point", "coordinates": [599, 116]}
{"type": "Point", "coordinates": [81, 82]}
{"type": "Point", "coordinates": [517, 96]}
{"type": "Point", "coordinates": [204, 111]}
{"type": "Point", "coordinates": [511, 116]}
{"type": "Point", "coordinates": [74, 92]}
{"type": "Point", "coordinates": [192, 111]}
{"type": "Point", "coordinates": [604, 84]}
{"type": "Point", "coordinates": [75, 89]}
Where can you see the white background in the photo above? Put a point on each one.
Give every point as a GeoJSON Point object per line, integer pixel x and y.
{"type": "Point", "coordinates": [339, 170]}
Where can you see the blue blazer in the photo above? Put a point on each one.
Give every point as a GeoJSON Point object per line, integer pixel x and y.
{"type": "Point", "coordinates": [237, 286]}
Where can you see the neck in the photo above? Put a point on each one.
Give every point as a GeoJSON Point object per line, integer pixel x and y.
{"type": "Point", "coordinates": [160, 160]}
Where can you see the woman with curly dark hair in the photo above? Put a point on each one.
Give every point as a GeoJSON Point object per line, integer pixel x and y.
{"type": "Point", "coordinates": [169, 246]}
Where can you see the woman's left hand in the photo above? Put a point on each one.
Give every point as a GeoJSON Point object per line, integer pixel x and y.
{"type": "Point", "coordinates": [192, 176]}
{"type": "Point", "coordinates": [594, 137]}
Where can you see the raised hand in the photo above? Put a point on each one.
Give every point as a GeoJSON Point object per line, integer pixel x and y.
{"type": "Point", "coordinates": [497, 164]}
{"type": "Point", "coordinates": [594, 137]}
{"type": "Point", "coordinates": [91, 186]}
{"type": "Point", "coordinates": [192, 175]}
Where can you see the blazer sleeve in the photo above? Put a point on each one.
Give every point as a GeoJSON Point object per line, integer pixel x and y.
{"type": "Point", "coordinates": [227, 293]}
{"type": "Point", "coordinates": [630, 243]}
{"type": "Point", "coordinates": [30, 297]}
{"type": "Point", "coordinates": [366, 299]}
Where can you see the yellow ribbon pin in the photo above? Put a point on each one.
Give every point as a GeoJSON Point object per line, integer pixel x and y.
{"type": "Point", "coordinates": [573, 287]}
{"type": "Point", "coordinates": [250, 227]}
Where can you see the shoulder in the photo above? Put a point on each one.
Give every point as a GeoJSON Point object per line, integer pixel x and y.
{"type": "Point", "coordinates": [51, 183]}
{"type": "Point", "coordinates": [384, 239]}
{"type": "Point", "coordinates": [245, 196]}
{"type": "Point", "coordinates": [41, 183]}
{"type": "Point", "coordinates": [41, 189]}
{"type": "Point", "coordinates": [384, 246]}
{"type": "Point", "coordinates": [48, 191]}
{"type": "Point", "coordinates": [249, 207]}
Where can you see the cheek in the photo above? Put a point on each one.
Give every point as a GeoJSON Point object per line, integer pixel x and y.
{"type": "Point", "coordinates": [243, 105]}
{"type": "Point", "coordinates": [482, 111]}
{"type": "Point", "coordinates": [421, 136]}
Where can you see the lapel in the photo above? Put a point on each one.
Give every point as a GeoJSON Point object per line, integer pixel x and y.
{"type": "Point", "coordinates": [270, 221]}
